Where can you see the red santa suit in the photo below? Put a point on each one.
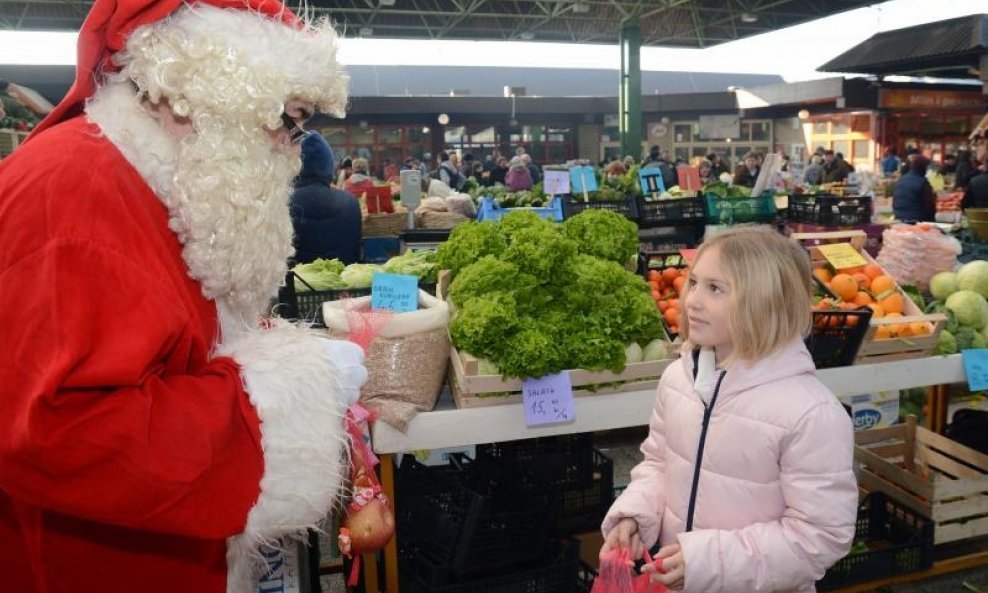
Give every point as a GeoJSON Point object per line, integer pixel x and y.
{"type": "Point", "coordinates": [141, 450]}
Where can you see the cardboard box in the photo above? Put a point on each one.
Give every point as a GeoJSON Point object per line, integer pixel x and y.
{"type": "Point", "coordinates": [873, 410]}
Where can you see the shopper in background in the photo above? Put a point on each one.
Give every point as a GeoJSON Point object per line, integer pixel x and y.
{"type": "Point", "coordinates": [717, 164]}
{"type": "Point", "coordinates": [447, 171]}
{"type": "Point", "coordinates": [500, 173]}
{"type": "Point", "coordinates": [657, 159]}
{"type": "Point", "coordinates": [814, 171]}
{"type": "Point", "coordinates": [965, 170]}
{"type": "Point", "coordinates": [770, 501]}
{"type": "Point", "coordinates": [344, 171]}
{"type": "Point", "coordinates": [914, 199]}
{"type": "Point", "coordinates": [890, 162]}
{"type": "Point", "coordinates": [834, 170]}
{"type": "Point", "coordinates": [614, 171]}
{"type": "Point", "coordinates": [518, 178]}
{"type": "Point", "coordinates": [360, 181]}
{"type": "Point", "coordinates": [976, 193]}
{"type": "Point", "coordinates": [706, 169]}
{"type": "Point", "coordinates": [327, 221]}
{"type": "Point", "coordinates": [747, 173]}
{"type": "Point", "coordinates": [156, 430]}
{"type": "Point", "coordinates": [533, 170]}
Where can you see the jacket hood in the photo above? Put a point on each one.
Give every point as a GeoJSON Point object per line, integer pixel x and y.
{"type": "Point", "coordinates": [318, 160]}
{"type": "Point", "coordinates": [788, 361]}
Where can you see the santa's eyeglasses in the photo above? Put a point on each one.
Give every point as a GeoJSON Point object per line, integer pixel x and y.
{"type": "Point", "coordinates": [295, 130]}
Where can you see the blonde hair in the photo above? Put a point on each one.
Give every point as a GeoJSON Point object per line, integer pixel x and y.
{"type": "Point", "coordinates": [361, 166]}
{"type": "Point", "coordinates": [770, 290]}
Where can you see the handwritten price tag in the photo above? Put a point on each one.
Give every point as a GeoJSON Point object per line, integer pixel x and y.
{"type": "Point", "coordinates": [842, 255]}
{"type": "Point", "coordinates": [548, 400]}
{"type": "Point", "coordinates": [555, 183]}
{"type": "Point", "coordinates": [582, 179]}
{"type": "Point", "coordinates": [396, 292]}
{"type": "Point", "coordinates": [976, 368]}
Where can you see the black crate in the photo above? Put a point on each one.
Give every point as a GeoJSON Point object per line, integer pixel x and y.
{"type": "Point", "coordinates": [555, 571]}
{"type": "Point", "coordinates": [307, 305]}
{"type": "Point", "coordinates": [837, 336]}
{"type": "Point", "coordinates": [628, 207]}
{"type": "Point", "coordinates": [581, 507]}
{"type": "Point", "coordinates": [674, 212]}
{"type": "Point", "coordinates": [899, 541]}
{"type": "Point", "coordinates": [470, 533]}
{"type": "Point", "coordinates": [546, 456]}
{"type": "Point", "coordinates": [829, 210]}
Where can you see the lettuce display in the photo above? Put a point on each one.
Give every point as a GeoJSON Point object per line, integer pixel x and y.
{"type": "Point", "coordinates": [331, 274]}
{"type": "Point", "coordinates": [533, 301]}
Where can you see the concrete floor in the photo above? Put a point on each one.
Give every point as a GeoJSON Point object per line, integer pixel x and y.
{"type": "Point", "coordinates": [622, 447]}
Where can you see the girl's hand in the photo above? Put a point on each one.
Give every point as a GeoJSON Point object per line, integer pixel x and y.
{"type": "Point", "coordinates": [624, 535]}
{"type": "Point", "coordinates": [669, 568]}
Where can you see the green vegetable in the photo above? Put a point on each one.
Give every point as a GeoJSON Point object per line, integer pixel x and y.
{"type": "Point", "coordinates": [468, 243]}
{"type": "Point", "coordinates": [421, 263]}
{"type": "Point", "coordinates": [655, 350]}
{"type": "Point", "coordinates": [603, 234]}
{"type": "Point", "coordinates": [913, 293]}
{"type": "Point", "coordinates": [486, 275]}
{"type": "Point", "coordinates": [321, 274]}
{"type": "Point", "coordinates": [946, 343]}
{"type": "Point", "coordinates": [974, 276]}
{"type": "Point", "coordinates": [970, 308]}
{"type": "Point", "coordinates": [968, 338]}
{"type": "Point", "coordinates": [943, 285]}
{"type": "Point", "coordinates": [484, 325]}
{"type": "Point", "coordinates": [359, 275]}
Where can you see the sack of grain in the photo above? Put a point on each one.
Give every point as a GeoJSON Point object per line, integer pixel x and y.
{"type": "Point", "coordinates": [406, 362]}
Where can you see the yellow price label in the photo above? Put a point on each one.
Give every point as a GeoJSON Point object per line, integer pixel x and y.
{"type": "Point", "coordinates": [842, 255]}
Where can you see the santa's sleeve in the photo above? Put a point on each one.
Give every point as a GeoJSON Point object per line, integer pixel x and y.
{"type": "Point", "coordinates": [104, 416]}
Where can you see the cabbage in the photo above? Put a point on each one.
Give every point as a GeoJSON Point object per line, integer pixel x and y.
{"type": "Point", "coordinates": [321, 274]}
{"type": "Point", "coordinates": [655, 350]}
{"type": "Point", "coordinates": [633, 353]}
{"type": "Point", "coordinates": [943, 285]}
{"type": "Point", "coordinates": [970, 308]}
{"type": "Point", "coordinates": [974, 276]}
{"type": "Point", "coordinates": [359, 275]}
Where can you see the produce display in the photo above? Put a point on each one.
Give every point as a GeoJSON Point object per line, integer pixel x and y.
{"type": "Point", "coordinates": [533, 298]}
{"type": "Point", "coordinates": [331, 274]}
{"type": "Point", "coordinates": [666, 277]}
{"type": "Point", "coordinates": [962, 296]}
{"type": "Point", "coordinates": [912, 254]}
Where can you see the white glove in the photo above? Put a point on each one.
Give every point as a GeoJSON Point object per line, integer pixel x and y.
{"type": "Point", "coordinates": [349, 361]}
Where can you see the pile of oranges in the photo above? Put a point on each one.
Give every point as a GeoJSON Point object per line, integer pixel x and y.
{"type": "Point", "coordinates": [868, 286]}
{"type": "Point", "coordinates": [667, 284]}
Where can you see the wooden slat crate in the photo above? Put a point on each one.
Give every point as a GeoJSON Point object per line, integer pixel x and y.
{"type": "Point", "coordinates": [929, 473]}
{"type": "Point", "coordinates": [472, 389]}
{"type": "Point", "coordinates": [872, 350]}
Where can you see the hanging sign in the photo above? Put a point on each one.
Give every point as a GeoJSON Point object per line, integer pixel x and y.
{"type": "Point", "coordinates": [548, 400]}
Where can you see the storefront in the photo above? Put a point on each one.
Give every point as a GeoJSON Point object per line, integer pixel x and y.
{"type": "Point", "coordinates": [936, 122]}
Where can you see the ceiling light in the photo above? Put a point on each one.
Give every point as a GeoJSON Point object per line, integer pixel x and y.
{"type": "Point", "coordinates": [803, 114]}
{"type": "Point", "coordinates": [526, 35]}
{"type": "Point", "coordinates": [581, 7]}
{"type": "Point", "coordinates": [749, 17]}
{"type": "Point", "coordinates": [386, 2]}
{"type": "Point", "coordinates": [443, 119]}
{"type": "Point", "coordinates": [366, 31]}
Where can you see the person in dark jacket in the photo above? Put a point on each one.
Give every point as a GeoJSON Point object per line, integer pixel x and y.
{"type": "Point", "coordinates": [327, 220]}
{"type": "Point", "coordinates": [914, 200]}
{"type": "Point", "coordinates": [966, 169]}
{"type": "Point", "coordinates": [747, 173]}
{"type": "Point", "coordinates": [976, 193]}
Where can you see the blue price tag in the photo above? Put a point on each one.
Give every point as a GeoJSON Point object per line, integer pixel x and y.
{"type": "Point", "coordinates": [548, 400]}
{"type": "Point", "coordinates": [976, 368]}
{"type": "Point", "coordinates": [582, 179]}
{"type": "Point", "coordinates": [650, 179]}
{"type": "Point", "coordinates": [396, 292]}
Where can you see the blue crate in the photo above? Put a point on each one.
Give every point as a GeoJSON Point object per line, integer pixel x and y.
{"type": "Point", "coordinates": [740, 210]}
{"type": "Point", "coordinates": [378, 250]}
{"type": "Point", "coordinates": [489, 210]}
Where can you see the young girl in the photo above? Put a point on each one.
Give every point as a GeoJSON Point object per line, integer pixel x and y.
{"type": "Point", "coordinates": [747, 480]}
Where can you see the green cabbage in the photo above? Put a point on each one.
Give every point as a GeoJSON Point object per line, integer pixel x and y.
{"type": "Point", "coordinates": [359, 275]}
{"type": "Point", "coordinates": [321, 274]}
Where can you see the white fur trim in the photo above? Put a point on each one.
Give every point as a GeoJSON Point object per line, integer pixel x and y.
{"type": "Point", "coordinates": [293, 383]}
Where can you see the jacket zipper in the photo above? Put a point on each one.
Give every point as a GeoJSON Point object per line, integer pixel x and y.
{"type": "Point", "coordinates": [707, 412]}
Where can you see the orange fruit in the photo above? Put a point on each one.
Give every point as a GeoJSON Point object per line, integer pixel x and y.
{"type": "Point", "coordinates": [674, 304]}
{"type": "Point", "coordinates": [877, 311]}
{"type": "Point", "coordinates": [671, 315]}
{"type": "Point", "coordinates": [893, 304]}
{"type": "Point", "coordinates": [656, 295]}
{"type": "Point", "coordinates": [823, 274]}
{"type": "Point", "coordinates": [653, 285]}
{"type": "Point", "coordinates": [663, 305]}
{"type": "Point", "coordinates": [678, 283]}
{"type": "Point", "coordinates": [873, 270]}
{"type": "Point", "coordinates": [882, 332]}
{"type": "Point", "coordinates": [864, 282]}
{"type": "Point", "coordinates": [862, 298]}
{"type": "Point", "coordinates": [920, 328]}
{"type": "Point", "coordinates": [670, 274]}
{"type": "Point", "coordinates": [881, 285]}
{"type": "Point", "coordinates": [844, 286]}
{"type": "Point", "coordinates": [654, 275]}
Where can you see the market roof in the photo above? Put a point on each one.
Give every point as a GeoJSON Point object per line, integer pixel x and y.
{"type": "Point", "coordinates": [674, 23]}
{"type": "Point", "coordinates": [944, 49]}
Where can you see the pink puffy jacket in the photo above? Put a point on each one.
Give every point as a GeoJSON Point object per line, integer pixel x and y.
{"type": "Point", "coordinates": [776, 500]}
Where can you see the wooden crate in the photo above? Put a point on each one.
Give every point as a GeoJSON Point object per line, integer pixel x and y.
{"type": "Point", "coordinates": [472, 389]}
{"type": "Point", "coordinates": [929, 473]}
{"type": "Point", "coordinates": [872, 350]}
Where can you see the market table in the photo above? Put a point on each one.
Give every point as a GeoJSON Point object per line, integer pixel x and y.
{"type": "Point", "coordinates": [450, 427]}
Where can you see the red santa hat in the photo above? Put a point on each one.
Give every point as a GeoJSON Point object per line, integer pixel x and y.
{"type": "Point", "coordinates": [106, 29]}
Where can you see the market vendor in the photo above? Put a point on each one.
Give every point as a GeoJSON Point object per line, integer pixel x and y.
{"type": "Point", "coordinates": [154, 432]}
{"type": "Point", "coordinates": [914, 200]}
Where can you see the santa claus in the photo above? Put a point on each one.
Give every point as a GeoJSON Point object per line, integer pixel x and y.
{"type": "Point", "coordinates": [153, 435]}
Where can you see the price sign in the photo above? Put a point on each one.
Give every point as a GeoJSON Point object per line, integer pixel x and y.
{"type": "Point", "coordinates": [583, 179]}
{"type": "Point", "coordinates": [555, 183]}
{"type": "Point", "coordinates": [395, 292]}
{"type": "Point", "coordinates": [842, 255]}
{"type": "Point", "coordinates": [688, 255]}
{"type": "Point", "coordinates": [976, 368]}
{"type": "Point", "coordinates": [548, 400]}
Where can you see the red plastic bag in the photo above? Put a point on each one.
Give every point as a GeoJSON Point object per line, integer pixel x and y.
{"type": "Point", "coordinates": [615, 575]}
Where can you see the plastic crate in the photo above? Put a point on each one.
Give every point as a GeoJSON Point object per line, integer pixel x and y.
{"type": "Point", "coordinates": [830, 211]}
{"type": "Point", "coordinates": [899, 540]}
{"type": "Point", "coordinates": [627, 207]}
{"type": "Point", "coordinates": [837, 336]}
{"type": "Point", "coordinates": [581, 507]}
{"type": "Point", "coordinates": [307, 305]}
{"type": "Point", "coordinates": [740, 210]}
{"type": "Point", "coordinates": [470, 533]}
{"type": "Point", "coordinates": [555, 571]}
{"type": "Point", "coordinates": [489, 210]}
{"type": "Point", "coordinates": [677, 211]}
{"type": "Point", "coordinates": [546, 456]}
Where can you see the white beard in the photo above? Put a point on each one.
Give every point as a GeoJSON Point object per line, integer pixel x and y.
{"type": "Point", "coordinates": [226, 190]}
